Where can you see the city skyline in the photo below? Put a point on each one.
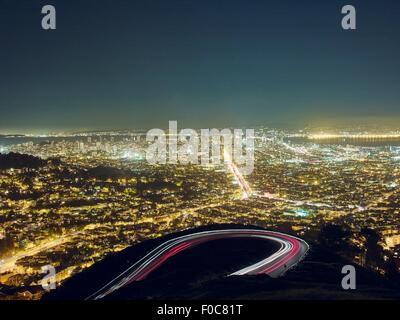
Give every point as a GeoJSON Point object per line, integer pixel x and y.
{"type": "Point", "coordinates": [199, 149]}
{"type": "Point", "coordinates": [98, 193]}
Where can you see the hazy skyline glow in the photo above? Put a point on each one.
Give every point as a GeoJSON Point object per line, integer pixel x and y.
{"type": "Point", "coordinates": [126, 64]}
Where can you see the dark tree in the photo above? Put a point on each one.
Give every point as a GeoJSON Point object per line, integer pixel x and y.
{"type": "Point", "coordinates": [334, 237]}
{"type": "Point", "coordinates": [374, 251]}
{"type": "Point", "coordinates": [19, 161]}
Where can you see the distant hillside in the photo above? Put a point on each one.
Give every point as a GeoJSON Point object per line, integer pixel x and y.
{"type": "Point", "coordinates": [200, 273]}
{"type": "Point", "coordinates": [19, 161]}
{"type": "Point", "coordinates": [103, 172]}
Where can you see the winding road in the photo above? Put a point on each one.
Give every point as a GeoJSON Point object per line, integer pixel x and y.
{"type": "Point", "coordinates": [290, 252]}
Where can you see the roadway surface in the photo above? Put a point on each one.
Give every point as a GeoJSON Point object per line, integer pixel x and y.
{"type": "Point", "coordinates": [290, 252]}
{"type": "Point", "coordinates": [9, 263]}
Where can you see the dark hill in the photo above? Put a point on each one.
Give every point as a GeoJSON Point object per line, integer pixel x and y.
{"type": "Point", "coordinates": [19, 161]}
{"type": "Point", "coordinates": [200, 273]}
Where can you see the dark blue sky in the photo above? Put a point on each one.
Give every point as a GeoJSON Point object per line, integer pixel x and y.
{"type": "Point", "coordinates": [130, 64]}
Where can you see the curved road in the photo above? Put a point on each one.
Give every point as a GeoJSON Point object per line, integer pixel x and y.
{"type": "Point", "coordinates": [291, 251]}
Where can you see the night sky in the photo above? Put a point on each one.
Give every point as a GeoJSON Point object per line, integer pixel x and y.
{"type": "Point", "coordinates": [138, 64]}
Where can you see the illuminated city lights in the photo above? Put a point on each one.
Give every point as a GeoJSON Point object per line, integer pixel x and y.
{"type": "Point", "coordinates": [102, 196]}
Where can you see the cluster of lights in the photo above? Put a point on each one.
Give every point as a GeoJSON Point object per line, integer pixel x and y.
{"type": "Point", "coordinates": [131, 155]}
{"type": "Point", "coordinates": [301, 213]}
{"type": "Point", "coordinates": [323, 136]}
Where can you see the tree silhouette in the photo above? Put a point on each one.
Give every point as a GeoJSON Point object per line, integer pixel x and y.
{"type": "Point", "coordinates": [374, 251]}
{"type": "Point", "coordinates": [392, 270]}
{"type": "Point", "coordinates": [334, 237]}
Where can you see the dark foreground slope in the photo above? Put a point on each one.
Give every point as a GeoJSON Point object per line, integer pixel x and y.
{"type": "Point", "coordinates": [201, 273]}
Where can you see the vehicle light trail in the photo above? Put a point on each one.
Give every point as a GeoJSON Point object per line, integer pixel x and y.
{"type": "Point", "coordinates": [290, 252]}
{"type": "Point", "coordinates": [248, 192]}
{"type": "Point", "coordinates": [244, 186]}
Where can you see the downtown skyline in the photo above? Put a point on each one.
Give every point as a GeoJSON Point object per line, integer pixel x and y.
{"type": "Point", "coordinates": [231, 149]}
